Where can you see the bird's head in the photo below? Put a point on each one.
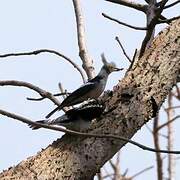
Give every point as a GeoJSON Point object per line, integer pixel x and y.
{"type": "Point", "coordinates": [109, 67]}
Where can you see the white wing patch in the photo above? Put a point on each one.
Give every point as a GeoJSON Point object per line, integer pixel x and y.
{"type": "Point", "coordinates": [86, 84]}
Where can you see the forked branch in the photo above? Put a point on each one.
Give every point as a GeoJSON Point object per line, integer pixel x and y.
{"type": "Point", "coordinates": [43, 93]}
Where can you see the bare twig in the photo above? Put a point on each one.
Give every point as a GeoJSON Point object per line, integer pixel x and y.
{"type": "Point", "coordinates": [42, 98]}
{"type": "Point", "coordinates": [159, 134]}
{"type": "Point", "coordinates": [132, 63]}
{"type": "Point", "coordinates": [108, 175]}
{"type": "Point", "coordinates": [168, 20]}
{"type": "Point", "coordinates": [130, 4]}
{"type": "Point", "coordinates": [168, 122]}
{"type": "Point", "coordinates": [159, 160]}
{"type": "Point", "coordinates": [112, 164]}
{"type": "Point", "coordinates": [172, 4]}
{"type": "Point", "coordinates": [118, 159]}
{"type": "Point", "coordinates": [47, 51]}
{"type": "Point", "coordinates": [174, 107]}
{"type": "Point", "coordinates": [28, 121]}
{"type": "Point", "coordinates": [134, 56]}
{"type": "Point", "coordinates": [150, 14]}
{"type": "Point", "coordinates": [63, 91]}
{"type": "Point", "coordinates": [122, 23]}
{"type": "Point", "coordinates": [171, 160]}
{"type": "Point", "coordinates": [83, 51]}
{"type": "Point", "coordinates": [42, 92]}
{"type": "Point", "coordinates": [121, 46]}
{"type": "Point", "coordinates": [125, 172]}
{"type": "Point", "coordinates": [153, 16]}
{"type": "Point", "coordinates": [116, 171]}
{"type": "Point", "coordinates": [149, 129]}
{"type": "Point", "coordinates": [142, 171]}
{"type": "Point", "coordinates": [161, 17]}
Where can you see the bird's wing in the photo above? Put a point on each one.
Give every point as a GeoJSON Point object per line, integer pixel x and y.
{"type": "Point", "coordinates": [87, 112]}
{"type": "Point", "coordinates": [52, 112]}
{"type": "Point", "coordinates": [34, 127]}
{"type": "Point", "coordinates": [79, 95]}
{"type": "Point", "coordinates": [62, 119]}
{"type": "Point", "coordinates": [91, 112]}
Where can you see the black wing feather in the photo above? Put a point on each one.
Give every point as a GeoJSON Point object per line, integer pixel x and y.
{"type": "Point", "coordinates": [78, 95]}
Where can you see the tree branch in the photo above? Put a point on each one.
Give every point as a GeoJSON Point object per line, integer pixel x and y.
{"type": "Point", "coordinates": [29, 122]}
{"type": "Point", "coordinates": [83, 51]}
{"type": "Point", "coordinates": [142, 171]}
{"type": "Point", "coordinates": [122, 23]}
{"type": "Point", "coordinates": [42, 98]}
{"type": "Point", "coordinates": [43, 93]}
{"type": "Point", "coordinates": [121, 46]}
{"type": "Point", "coordinates": [130, 4]}
{"type": "Point", "coordinates": [173, 107]}
{"type": "Point", "coordinates": [36, 52]}
{"type": "Point", "coordinates": [168, 20]}
{"type": "Point", "coordinates": [168, 122]}
{"type": "Point", "coordinates": [172, 4]}
{"type": "Point", "coordinates": [152, 19]}
{"type": "Point", "coordinates": [159, 161]}
{"type": "Point", "coordinates": [170, 139]}
{"type": "Point", "coordinates": [132, 103]}
{"type": "Point", "coordinates": [62, 91]}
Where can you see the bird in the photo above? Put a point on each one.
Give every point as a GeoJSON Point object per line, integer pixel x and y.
{"type": "Point", "coordinates": [77, 119]}
{"type": "Point", "coordinates": [91, 89]}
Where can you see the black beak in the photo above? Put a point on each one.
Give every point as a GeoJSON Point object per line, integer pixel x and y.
{"type": "Point", "coordinates": [118, 69]}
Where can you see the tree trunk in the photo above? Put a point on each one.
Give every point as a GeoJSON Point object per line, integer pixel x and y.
{"type": "Point", "coordinates": [134, 101]}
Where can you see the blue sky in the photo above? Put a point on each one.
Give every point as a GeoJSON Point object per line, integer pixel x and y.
{"type": "Point", "coordinates": [31, 25]}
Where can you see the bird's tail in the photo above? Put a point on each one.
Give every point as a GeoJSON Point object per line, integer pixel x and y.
{"type": "Point", "coordinates": [52, 112]}
{"type": "Point", "coordinates": [34, 127]}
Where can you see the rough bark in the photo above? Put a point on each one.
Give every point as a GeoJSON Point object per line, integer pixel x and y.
{"type": "Point", "coordinates": [133, 102]}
